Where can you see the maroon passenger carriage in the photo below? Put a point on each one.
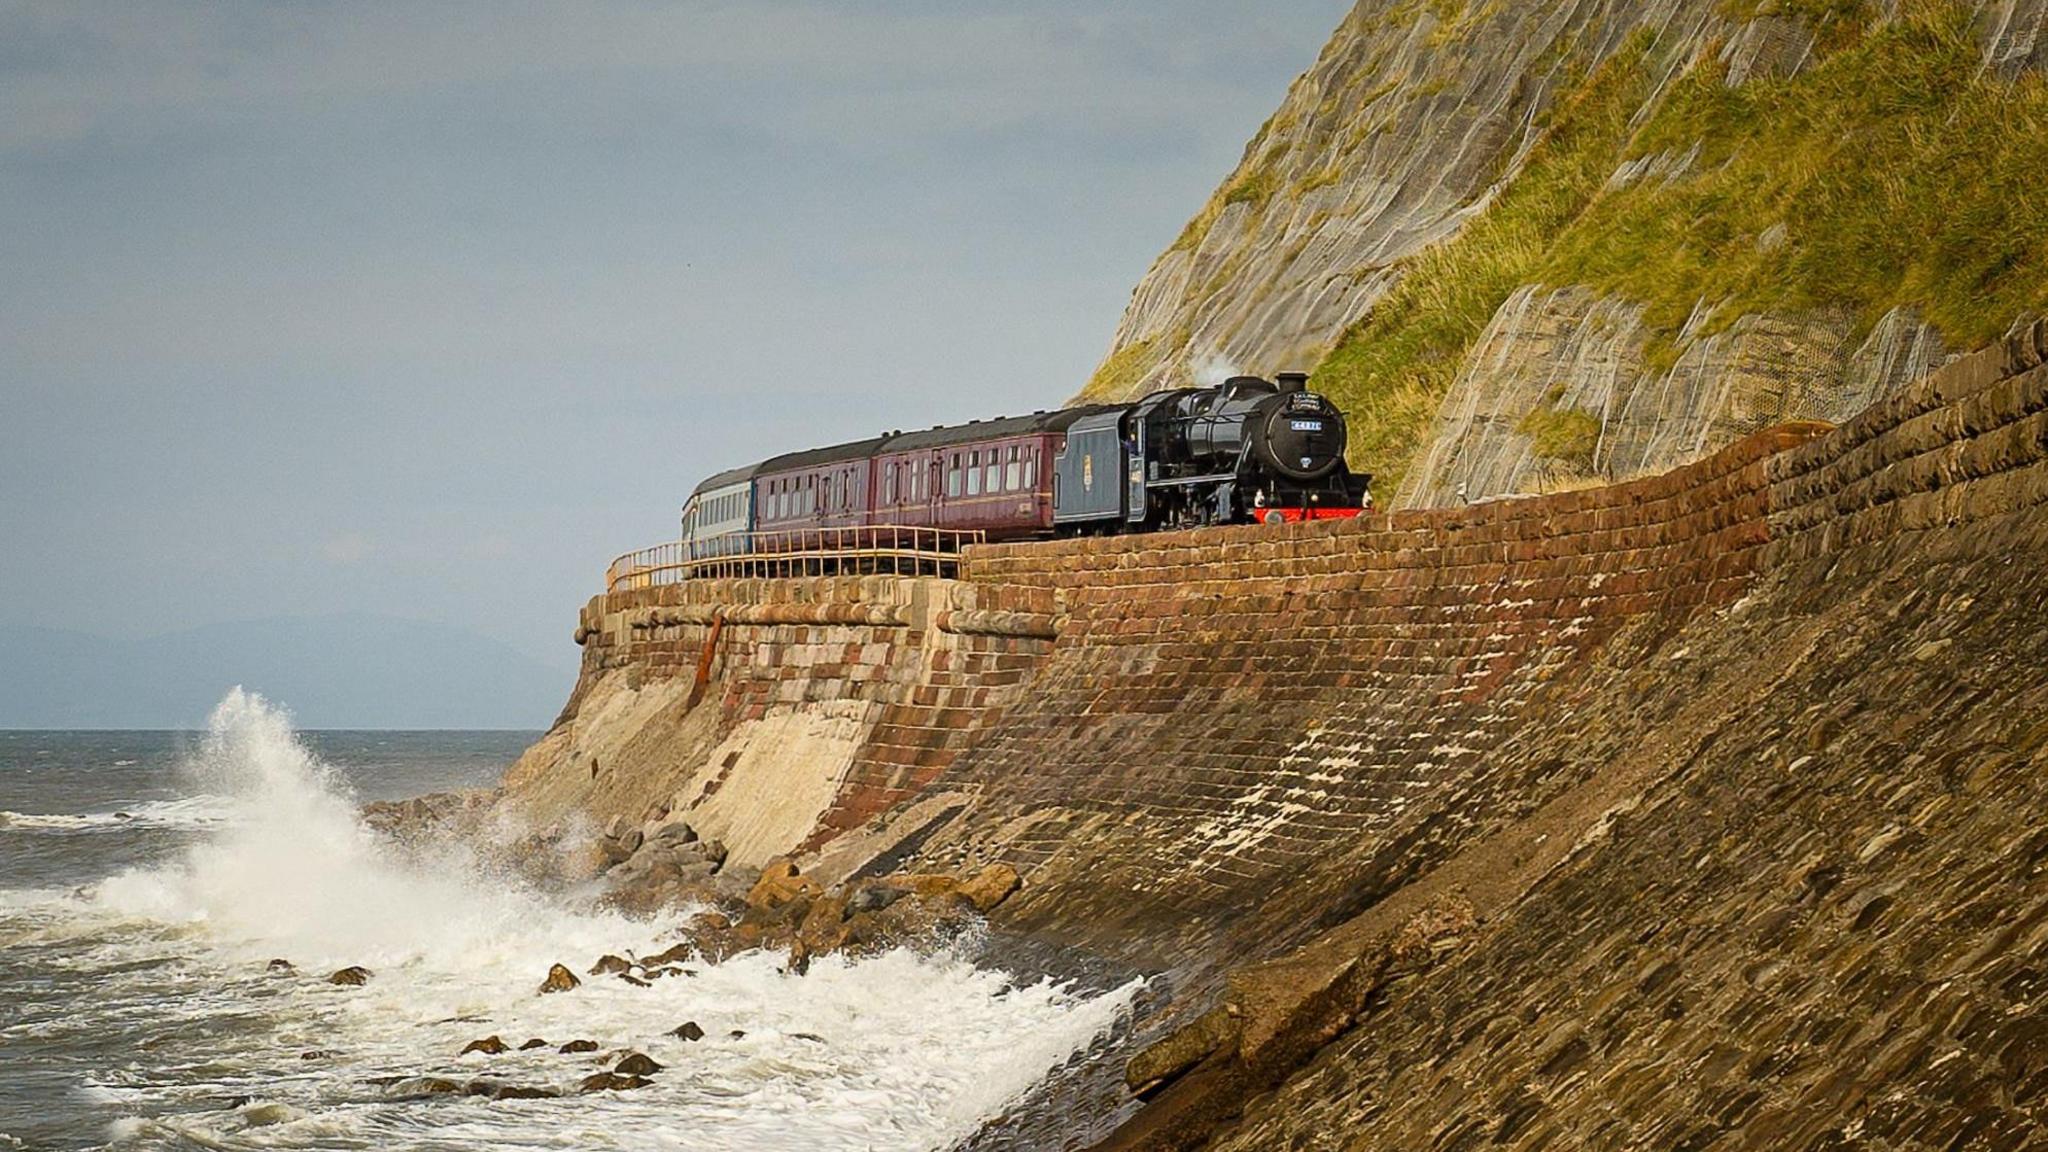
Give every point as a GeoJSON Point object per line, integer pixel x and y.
{"type": "Point", "coordinates": [989, 476]}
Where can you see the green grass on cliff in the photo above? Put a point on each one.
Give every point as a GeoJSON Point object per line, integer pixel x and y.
{"type": "Point", "coordinates": [1391, 370]}
{"type": "Point", "coordinates": [1899, 172]}
{"type": "Point", "coordinates": [1893, 171]}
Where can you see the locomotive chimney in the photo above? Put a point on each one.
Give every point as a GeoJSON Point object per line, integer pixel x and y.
{"type": "Point", "coordinates": [1291, 381]}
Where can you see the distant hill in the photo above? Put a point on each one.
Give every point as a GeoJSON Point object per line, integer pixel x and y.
{"type": "Point", "coordinates": [344, 671]}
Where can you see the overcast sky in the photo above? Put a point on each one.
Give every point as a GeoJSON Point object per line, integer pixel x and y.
{"type": "Point", "coordinates": [429, 309]}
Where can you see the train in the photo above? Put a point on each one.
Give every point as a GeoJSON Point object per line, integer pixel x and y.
{"type": "Point", "coordinates": [1249, 450]}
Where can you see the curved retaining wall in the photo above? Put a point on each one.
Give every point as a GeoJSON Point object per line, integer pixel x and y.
{"type": "Point", "coordinates": [1243, 734]}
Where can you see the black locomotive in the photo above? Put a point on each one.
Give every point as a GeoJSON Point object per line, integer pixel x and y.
{"type": "Point", "coordinates": [1246, 450]}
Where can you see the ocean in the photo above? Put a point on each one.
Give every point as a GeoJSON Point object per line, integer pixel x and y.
{"type": "Point", "coordinates": [148, 880]}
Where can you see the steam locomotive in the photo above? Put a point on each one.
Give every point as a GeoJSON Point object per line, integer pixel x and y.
{"type": "Point", "coordinates": [1249, 450]}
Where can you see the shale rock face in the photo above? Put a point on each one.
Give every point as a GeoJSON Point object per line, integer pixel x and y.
{"type": "Point", "coordinates": [1533, 246]}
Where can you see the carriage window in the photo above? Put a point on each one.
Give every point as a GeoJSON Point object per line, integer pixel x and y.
{"type": "Point", "coordinates": [1014, 479]}
{"type": "Point", "coordinates": [953, 476]}
{"type": "Point", "coordinates": [974, 473]}
{"type": "Point", "coordinates": [995, 469]}
{"type": "Point", "coordinates": [1031, 468]}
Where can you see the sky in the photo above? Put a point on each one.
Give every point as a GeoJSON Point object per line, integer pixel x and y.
{"type": "Point", "coordinates": [428, 310]}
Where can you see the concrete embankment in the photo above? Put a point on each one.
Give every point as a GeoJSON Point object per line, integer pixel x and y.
{"type": "Point", "coordinates": [1695, 810]}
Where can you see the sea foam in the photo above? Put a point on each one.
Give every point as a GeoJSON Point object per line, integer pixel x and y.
{"type": "Point", "coordinates": [902, 1051]}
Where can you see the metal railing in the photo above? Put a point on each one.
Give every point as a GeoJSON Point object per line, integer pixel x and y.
{"type": "Point", "coordinates": [882, 549]}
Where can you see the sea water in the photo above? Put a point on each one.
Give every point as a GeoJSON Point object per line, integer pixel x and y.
{"type": "Point", "coordinates": [147, 880]}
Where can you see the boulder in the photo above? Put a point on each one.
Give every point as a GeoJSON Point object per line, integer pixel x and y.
{"type": "Point", "coordinates": [780, 885]}
{"type": "Point", "coordinates": [354, 976]}
{"type": "Point", "coordinates": [635, 981]}
{"type": "Point", "coordinates": [522, 1092]}
{"type": "Point", "coordinates": [631, 840]}
{"type": "Point", "coordinates": [280, 965]}
{"type": "Point", "coordinates": [560, 979]}
{"type": "Point", "coordinates": [609, 965]}
{"type": "Point", "coordinates": [673, 832]}
{"type": "Point", "coordinates": [636, 1064]}
{"type": "Point", "coordinates": [489, 1046]}
{"type": "Point", "coordinates": [991, 886]}
{"type": "Point", "coordinates": [612, 1082]}
{"type": "Point", "coordinates": [530, 1045]}
{"type": "Point", "coordinates": [611, 853]}
{"type": "Point", "coordinates": [872, 897]}
{"type": "Point", "coordinates": [688, 1031]}
{"type": "Point", "coordinates": [575, 1046]}
{"type": "Point", "coordinates": [675, 955]}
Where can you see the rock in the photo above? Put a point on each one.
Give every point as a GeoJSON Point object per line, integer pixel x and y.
{"type": "Point", "coordinates": [635, 981]}
{"type": "Point", "coordinates": [489, 1046]}
{"type": "Point", "coordinates": [812, 1037]}
{"type": "Point", "coordinates": [872, 898]}
{"type": "Point", "coordinates": [575, 1046]}
{"type": "Point", "coordinates": [689, 1031]}
{"type": "Point", "coordinates": [736, 1034]}
{"type": "Point", "coordinates": [674, 832]}
{"type": "Point", "coordinates": [611, 853]}
{"type": "Point", "coordinates": [991, 886]}
{"type": "Point", "coordinates": [560, 979]}
{"type": "Point", "coordinates": [631, 840]}
{"type": "Point", "coordinates": [799, 958]}
{"type": "Point", "coordinates": [636, 1064]}
{"type": "Point", "coordinates": [714, 851]}
{"type": "Point", "coordinates": [319, 1054]}
{"type": "Point", "coordinates": [612, 1082]}
{"type": "Point", "coordinates": [280, 965]}
{"type": "Point", "coordinates": [677, 954]}
{"type": "Point", "coordinates": [352, 977]}
{"type": "Point", "coordinates": [780, 885]}
{"type": "Point", "coordinates": [616, 828]}
{"type": "Point", "coordinates": [530, 1045]}
{"type": "Point", "coordinates": [609, 965]}
{"type": "Point", "coordinates": [521, 1092]}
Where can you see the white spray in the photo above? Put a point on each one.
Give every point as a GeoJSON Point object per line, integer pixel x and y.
{"type": "Point", "coordinates": [903, 1051]}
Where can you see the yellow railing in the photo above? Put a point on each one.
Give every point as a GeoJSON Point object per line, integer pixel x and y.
{"type": "Point", "coordinates": [877, 549]}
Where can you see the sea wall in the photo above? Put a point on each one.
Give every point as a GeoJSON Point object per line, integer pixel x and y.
{"type": "Point", "coordinates": [776, 713]}
{"type": "Point", "coordinates": [1697, 810]}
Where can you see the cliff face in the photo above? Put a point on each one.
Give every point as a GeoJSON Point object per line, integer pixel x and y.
{"type": "Point", "coordinates": [1536, 246]}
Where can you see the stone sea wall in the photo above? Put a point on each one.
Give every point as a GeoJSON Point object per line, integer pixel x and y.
{"type": "Point", "coordinates": [1693, 811]}
{"type": "Point", "coordinates": [823, 702]}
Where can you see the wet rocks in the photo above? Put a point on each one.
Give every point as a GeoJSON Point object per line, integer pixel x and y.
{"type": "Point", "coordinates": [688, 1031]}
{"type": "Point", "coordinates": [521, 1092]}
{"type": "Point", "coordinates": [353, 976]}
{"type": "Point", "coordinates": [532, 1044]}
{"type": "Point", "coordinates": [280, 965]}
{"type": "Point", "coordinates": [612, 1082]}
{"type": "Point", "coordinates": [489, 1046]}
{"type": "Point", "coordinates": [609, 965]}
{"type": "Point", "coordinates": [560, 979]}
{"type": "Point", "coordinates": [636, 1064]}
{"type": "Point", "coordinates": [574, 1047]}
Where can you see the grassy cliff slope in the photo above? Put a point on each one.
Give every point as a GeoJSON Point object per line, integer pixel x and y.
{"type": "Point", "coordinates": [1535, 246]}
